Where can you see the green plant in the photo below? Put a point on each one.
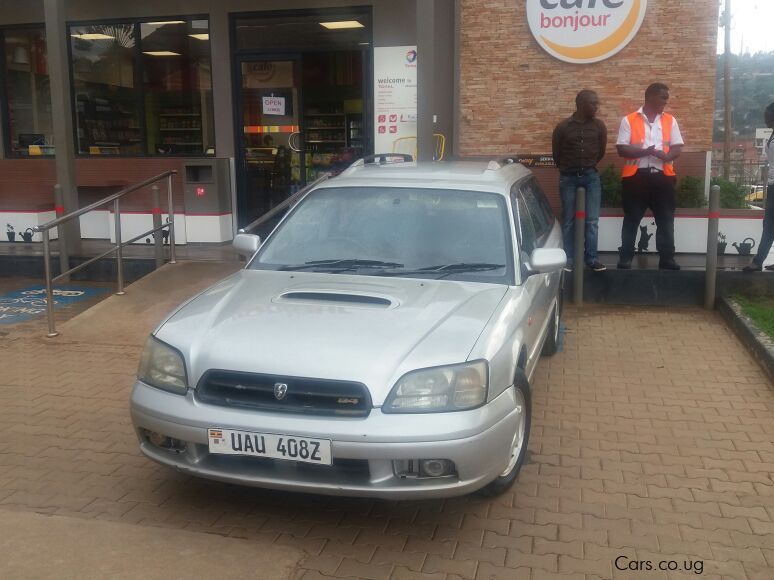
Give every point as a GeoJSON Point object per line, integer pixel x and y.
{"type": "Point", "coordinates": [760, 309]}
{"type": "Point", "coordinates": [611, 187]}
{"type": "Point", "coordinates": [732, 195]}
{"type": "Point", "coordinates": [690, 192]}
{"type": "Point", "coordinates": [721, 238]}
{"type": "Point", "coordinates": [9, 228]}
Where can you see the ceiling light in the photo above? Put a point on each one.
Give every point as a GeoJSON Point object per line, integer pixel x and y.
{"type": "Point", "coordinates": [203, 36]}
{"type": "Point", "coordinates": [161, 53]}
{"type": "Point", "coordinates": [166, 22]}
{"type": "Point", "coordinates": [93, 36]}
{"type": "Point", "coordinates": [341, 24]}
{"type": "Point", "coordinates": [364, 43]}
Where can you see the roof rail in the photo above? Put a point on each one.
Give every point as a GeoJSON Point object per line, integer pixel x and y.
{"type": "Point", "coordinates": [382, 159]}
{"type": "Point", "coordinates": [500, 162]}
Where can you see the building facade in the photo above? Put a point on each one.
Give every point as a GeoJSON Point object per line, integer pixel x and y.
{"type": "Point", "coordinates": [249, 100]}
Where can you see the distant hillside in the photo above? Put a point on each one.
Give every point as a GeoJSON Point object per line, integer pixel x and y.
{"type": "Point", "coordinates": [752, 89]}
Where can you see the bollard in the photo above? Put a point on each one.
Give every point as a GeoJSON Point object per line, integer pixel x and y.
{"type": "Point", "coordinates": [64, 255]}
{"type": "Point", "coordinates": [580, 237]}
{"type": "Point", "coordinates": [713, 219]}
{"type": "Point", "coordinates": [158, 243]}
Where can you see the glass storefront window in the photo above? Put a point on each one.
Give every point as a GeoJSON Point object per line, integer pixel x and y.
{"type": "Point", "coordinates": [343, 28]}
{"type": "Point", "coordinates": [143, 88]}
{"type": "Point", "coordinates": [27, 93]}
{"type": "Point", "coordinates": [177, 83]}
{"type": "Point", "coordinates": [107, 102]}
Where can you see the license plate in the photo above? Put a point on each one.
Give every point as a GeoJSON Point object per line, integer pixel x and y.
{"type": "Point", "coordinates": [288, 447]}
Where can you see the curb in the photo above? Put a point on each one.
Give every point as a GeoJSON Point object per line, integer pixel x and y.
{"type": "Point", "coordinates": [761, 347]}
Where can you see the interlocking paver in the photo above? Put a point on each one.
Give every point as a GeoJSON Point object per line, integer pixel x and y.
{"type": "Point", "coordinates": [652, 437]}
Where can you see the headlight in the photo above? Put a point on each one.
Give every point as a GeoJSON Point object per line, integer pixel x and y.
{"type": "Point", "coordinates": [162, 366]}
{"type": "Point", "coordinates": [440, 389]}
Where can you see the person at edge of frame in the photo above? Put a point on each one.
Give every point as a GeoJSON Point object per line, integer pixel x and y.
{"type": "Point", "coordinates": [578, 145]}
{"type": "Point", "coordinates": [649, 140]}
{"type": "Point", "coordinates": [767, 237]}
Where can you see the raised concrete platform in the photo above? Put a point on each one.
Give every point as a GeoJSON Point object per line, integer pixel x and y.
{"type": "Point", "coordinates": [26, 259]}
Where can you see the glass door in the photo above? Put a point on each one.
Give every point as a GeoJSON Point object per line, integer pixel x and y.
{"type": "Point", "coordinates": [271, 155]}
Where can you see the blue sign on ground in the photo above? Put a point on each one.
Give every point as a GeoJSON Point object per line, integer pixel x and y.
{"type": "Point", "coordinates": [24, 304]}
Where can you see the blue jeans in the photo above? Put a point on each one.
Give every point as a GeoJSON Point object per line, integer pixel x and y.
{"type": "Point", "coordinates": [568, 185]}
{"type": "Point", "coordinates": [767, 237]}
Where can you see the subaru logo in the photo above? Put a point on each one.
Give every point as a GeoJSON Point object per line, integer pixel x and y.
{"type": "Point", "coordinates": [280, 390]}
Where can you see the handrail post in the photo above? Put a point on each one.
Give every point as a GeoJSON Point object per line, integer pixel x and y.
{"type": "Point", "coordinates": [64, 254]}
{"type": "Point", "coordinates": [119, 248]}
{"type": "Point", "coordinates": [49, 290]}
{"type": "Point", "coordinates": [713, 224]}
{"type": "Point", "coordinates": [580, 236]}
{"type": "Point", "coordinates": [158, 246]}
{"type": "Point", "coordinates": [171, 213]}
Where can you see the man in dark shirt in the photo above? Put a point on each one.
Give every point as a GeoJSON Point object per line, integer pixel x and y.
{"type": "Point", "coordinates": [578, 144]}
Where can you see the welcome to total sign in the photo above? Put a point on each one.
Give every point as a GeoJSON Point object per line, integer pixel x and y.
{"type": "Point", "coordinates": [584, 31]}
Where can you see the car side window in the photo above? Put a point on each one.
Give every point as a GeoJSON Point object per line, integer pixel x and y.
{"type": "Point", "coordinates": [524, 225]}
{"type": "Point", "coordinates": [540, 222]}
{"type": "Point", "coordinates": [545, 207]}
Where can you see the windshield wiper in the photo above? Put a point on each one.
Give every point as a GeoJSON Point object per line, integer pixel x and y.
{"type": "Point", "coordinates": [349, 263]}
{"type": "Point", "coordinates": [448, 269]}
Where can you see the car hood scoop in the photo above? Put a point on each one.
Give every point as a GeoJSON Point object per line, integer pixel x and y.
{"type": "Point", "coordinates": [351, 298]}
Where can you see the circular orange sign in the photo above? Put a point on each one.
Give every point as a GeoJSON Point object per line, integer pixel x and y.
{"type": "Point", "coordinates": [584, 31]}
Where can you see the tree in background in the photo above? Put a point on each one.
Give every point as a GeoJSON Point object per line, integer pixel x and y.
{"type": "Point", "coordinates": [732, 195]}
{"type": "Point", "coordinates": [611, 187]}
{"type": "Point", "coordinates": [690, 192]}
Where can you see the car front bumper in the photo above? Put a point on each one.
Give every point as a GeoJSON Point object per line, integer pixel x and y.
{"type": "Point", "coordinates": [364, 450]}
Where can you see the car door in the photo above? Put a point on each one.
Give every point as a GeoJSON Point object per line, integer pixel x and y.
{"type": "Point", "coordinates": [546, 236]}
{"type": "Point", "coordinates": [532, 285]}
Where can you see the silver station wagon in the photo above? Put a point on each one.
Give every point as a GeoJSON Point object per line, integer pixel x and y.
{"type": "Point", "coordinates": [379, 343]}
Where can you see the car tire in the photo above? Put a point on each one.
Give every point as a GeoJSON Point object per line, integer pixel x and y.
{"type": "Point", "coordinates": [505, 480]}
{"type": "Point", "coordinates": [551, 345]}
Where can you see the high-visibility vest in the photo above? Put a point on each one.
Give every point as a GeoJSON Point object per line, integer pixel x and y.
{"type": "Point", "coordinates": [637, 123]}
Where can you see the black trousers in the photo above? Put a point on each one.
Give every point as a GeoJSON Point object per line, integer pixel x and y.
{"type": "Point", "coordinates": [642, 191]}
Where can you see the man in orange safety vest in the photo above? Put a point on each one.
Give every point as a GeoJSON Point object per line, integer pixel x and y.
{"type": "Point", "coordinates": [649, 140]}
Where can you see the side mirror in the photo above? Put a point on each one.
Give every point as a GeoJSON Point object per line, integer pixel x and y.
{"type": "Point", "coordinates": [547, 260]}
{"type": "Point", "coordinates": [247, 244]}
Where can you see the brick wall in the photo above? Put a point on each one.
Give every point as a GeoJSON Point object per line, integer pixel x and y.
{"type": "Point", "coordinates": [512, 93]}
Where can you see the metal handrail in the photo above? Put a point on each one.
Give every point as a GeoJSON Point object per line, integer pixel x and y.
{"type": "Point", "coordinates": [115, 198]}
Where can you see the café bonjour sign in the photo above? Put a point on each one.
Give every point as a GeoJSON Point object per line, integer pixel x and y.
{"type": "Point", "coordinates": [584, 31]}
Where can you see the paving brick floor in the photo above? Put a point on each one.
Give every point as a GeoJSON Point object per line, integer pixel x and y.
{"type": "Point", "coordinates": [652, 441]}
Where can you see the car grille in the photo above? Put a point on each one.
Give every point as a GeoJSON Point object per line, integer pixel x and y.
{"type": "Point", "coordinates": [302, 395]}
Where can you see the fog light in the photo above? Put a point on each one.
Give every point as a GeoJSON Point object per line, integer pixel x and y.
{"type": "Point", "coordinates": [436, 467]}
{"type": "Point", "coordinates": [164, 442]}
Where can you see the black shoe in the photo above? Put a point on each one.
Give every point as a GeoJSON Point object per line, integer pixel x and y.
{"type": "Point", "coordinates": [597, 266]}
{"type": "Point", "coordinates": [668, 264]}
{"type": "Point", "coordinates": [624, 264]}
{"type": "Point", "coordinates": [752, 268]}
{"type": "Point", "coordinates": [568, 266]}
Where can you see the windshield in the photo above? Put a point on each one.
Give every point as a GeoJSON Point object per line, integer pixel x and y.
{"type": "Point", "coordinates": [385, 231]}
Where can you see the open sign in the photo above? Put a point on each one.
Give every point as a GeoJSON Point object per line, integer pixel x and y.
{"type": "Point", "coordinates": [273, 105]}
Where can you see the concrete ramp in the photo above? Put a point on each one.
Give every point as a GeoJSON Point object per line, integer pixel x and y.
{"type": "Point", "coordinates": [128, 319]}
